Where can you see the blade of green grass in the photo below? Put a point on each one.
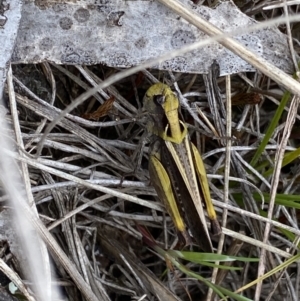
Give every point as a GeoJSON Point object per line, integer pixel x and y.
{"type": "Point", "coordinates": [220, 266]}
{"type": "Point", "coordinates": [288, 158]}
{"type": "Point", "coordinates": [291, 201]}
{"type": "Point", "coordinates": [216, 288]}
{"type": "Point", "coordinates": [271, 128]}
{"type": "Point", "coordinates": [198, 257]}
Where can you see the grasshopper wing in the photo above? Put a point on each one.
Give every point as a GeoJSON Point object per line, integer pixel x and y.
{"type": "Point", "coordinates": [185, 201]}
{"type": "Point", "coordinates": [162, 184]}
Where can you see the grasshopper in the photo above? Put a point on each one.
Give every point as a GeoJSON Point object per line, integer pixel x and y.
{"type": "Point", "coordinates": [176, 168]}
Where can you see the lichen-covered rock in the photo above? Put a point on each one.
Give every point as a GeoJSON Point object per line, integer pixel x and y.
{"type": "Point", "coordinates": [123, 33]}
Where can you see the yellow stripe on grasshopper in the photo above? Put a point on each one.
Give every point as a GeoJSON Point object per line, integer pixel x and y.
{"type": "Point", "coordinates": [200, 169]}
{"type": "Point", "coordinates": [164, 190]}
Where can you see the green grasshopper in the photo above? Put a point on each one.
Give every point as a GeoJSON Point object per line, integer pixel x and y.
{"type": "Point", "coordinates": [176, 168]}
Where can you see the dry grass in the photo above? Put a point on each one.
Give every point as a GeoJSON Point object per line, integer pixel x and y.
{"type": "Point", "coordinates": [91, 185]}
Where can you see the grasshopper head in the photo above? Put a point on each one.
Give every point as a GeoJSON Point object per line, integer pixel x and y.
{"type": "Point", "coordinates": [162, 105]}
{"type": "Point", "coordinates": [160, 96]}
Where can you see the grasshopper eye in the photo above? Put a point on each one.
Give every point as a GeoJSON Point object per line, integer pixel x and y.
{"type": "Point", "coordinates": [159, 99]}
